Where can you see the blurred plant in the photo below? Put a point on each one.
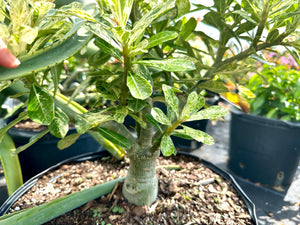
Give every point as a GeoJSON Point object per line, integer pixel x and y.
{"type": "Point", "coordinates": [234, 34]}
{"type": "Point", "coordinates": [277, 91]}
{"type": "Point", "coordinates": [28, 27]}
{"type": "Point", "coordinates": [282, 59]}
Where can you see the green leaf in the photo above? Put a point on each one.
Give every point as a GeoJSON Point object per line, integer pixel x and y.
{"type": "Point", "coordinates": [147, 19]}
{"type": "Point", "coordinates": [55, 75]}
{"type": "Point", "coordinates": [198, 135]}
{"type": "Point", "coordinates": [75, 9]}
{"type": "Point", "coordinates": [103, 31]}
{"type": "Point", "coordinates": [108, 48]}
{"type": "Point", "coordinates": [120, 114]}
{"type": "Point", "coordinates": [121, 10]}
{"type": "Point", "coordinates": [139, 120]}
{"type": "Point", "coordinates": [151, 120]}
{"type": "Point", "coordinates": [137, 104]}
{"type": "Point", "coordinates": [159, 116]}
{"type": "Point", "coordinates": [98, 58]}
{"type": "Point", "coordinates": [214, 19]}
{"type": "Point", "coordinates": [60, 124]}
{"type": "Point", "coordinates": [167, 146]}
{"type": "Point", "coordinates": [245, 15]}
{"type": "Point", "coordinates": [181, 135]}
{"type": "Point", "coordinates": [45, 212]}
{"type": "Point", "coordinates": [114, 137]}
{"type": "Point", "coordinates": [5, 84]}
{"type": "Point", "coordinates": [22, 116]}
{"type": "Point", "coordinates": [171, 98]}
{"type": "Point", "coordinates": [10, 164]}
{"type": "Point", "coordinates": [272, 114]}
{"type": "Point", "coordinates": [86, 121]}
{"type": "Point", "coordinates": [161, 37]}
{"type": "Point", "coordinates": [221, 5]}
{"type": "Point", "coordinates": [139, 49]}
{"type": "Point", "coordinates": [193, 104]}
{"type": "Point", "coordinates": [49, 56]}
{"type": "Point", "coordinates": [139, 87]}
{"type": "Point", "coordinates": [273, 35]}
{"type": "Point", "coordinates": [40, 106]}
{"type": "Point", "coordinates": [211, 113]}
{"type": "Point", "coordinates": [188, 28]}
{"type": "Point", "coordinates": [172, 65]}
{"type": "Point", "coordinates": [214, 86]}
{"type": "Point", "coordinates": [67, 141]}
{"type": "Point", "coordinates": [143, 71]}
{"type": "Point", "coordinates": [183, 7]}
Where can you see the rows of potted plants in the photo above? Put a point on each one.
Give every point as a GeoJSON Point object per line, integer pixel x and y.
{"type": "Point", "coordinates": [144, 54]}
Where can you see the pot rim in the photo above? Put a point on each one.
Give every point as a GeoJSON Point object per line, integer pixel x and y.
{"type": "Point", "coordinates": [262, 119]}
{"type": "Point", "coordinates": [89, 156]}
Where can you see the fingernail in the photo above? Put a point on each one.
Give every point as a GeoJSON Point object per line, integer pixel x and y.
{"type": "Point", "coordinates": [8, 60]}
{"type": "Point", "coordinates": [16, 62]}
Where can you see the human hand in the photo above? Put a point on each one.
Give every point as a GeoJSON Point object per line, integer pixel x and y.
{"type": "Point", "coordinates": [7, 59]}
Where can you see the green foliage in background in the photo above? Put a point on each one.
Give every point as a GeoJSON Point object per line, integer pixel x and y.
{"type": "Point", "coordinates": [277, 91]}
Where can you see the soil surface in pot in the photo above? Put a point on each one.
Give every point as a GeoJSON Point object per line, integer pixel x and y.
{"type": "Point", "coordinates": [29, 125]}
{"type": "Point", "coordinates": [189, 193]}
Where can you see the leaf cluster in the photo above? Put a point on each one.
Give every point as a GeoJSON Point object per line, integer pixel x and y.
{"type": "Point", "coordinates": [277, 91]}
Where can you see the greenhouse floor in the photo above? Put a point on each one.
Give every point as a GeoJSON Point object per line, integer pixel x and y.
{"type": "Point", "coordinates": [272, 207]}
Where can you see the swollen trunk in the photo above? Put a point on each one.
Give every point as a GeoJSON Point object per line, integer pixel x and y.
{"type": "Point", "coordinates": [141, 185]}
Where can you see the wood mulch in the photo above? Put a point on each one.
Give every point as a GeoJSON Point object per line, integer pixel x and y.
{"type": "Point", "coordinates": [189, 193]}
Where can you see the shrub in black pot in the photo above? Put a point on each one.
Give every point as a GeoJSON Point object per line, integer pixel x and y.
{"type": "Point", "coordinates": [143, 48]}
{"type": "Point", "coordinates": [265, 144]}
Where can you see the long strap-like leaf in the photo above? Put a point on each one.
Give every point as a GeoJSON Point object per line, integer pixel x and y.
{"type": "Point", "coordinates": [50, 56]}
{"type": "Point", "coordinates": [11, 165]}
{"type": "Point", "coordinates": [43, 213]}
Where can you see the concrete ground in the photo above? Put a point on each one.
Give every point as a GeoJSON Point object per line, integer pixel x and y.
{"type": "Point", "coordinates": [272, 207]}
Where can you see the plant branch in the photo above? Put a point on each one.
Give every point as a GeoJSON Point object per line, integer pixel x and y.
{"type": "Point", "coordinates": [167, 131]}
{"type": "Point", "coordinates": [127, 67]}
{"type": "Point", "coordinates": [261, 25]}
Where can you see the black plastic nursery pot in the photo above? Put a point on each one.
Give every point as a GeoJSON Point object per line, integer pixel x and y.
{"type": "Point", "coordinates": [89, 156]}
{"type": "Point", "coordinates": [264, 150]}
{"type": "Point", "coordinates": [44, 153]}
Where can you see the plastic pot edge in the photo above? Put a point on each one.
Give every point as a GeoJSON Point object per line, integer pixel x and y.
{"type": "Point", "coordinates": [259, 119]}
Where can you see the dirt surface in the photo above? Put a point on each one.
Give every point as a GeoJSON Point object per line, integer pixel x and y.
{"type": "Point", "coordinates": [191, 194]}
{"type": "Point", "coordinates": [29, 125]}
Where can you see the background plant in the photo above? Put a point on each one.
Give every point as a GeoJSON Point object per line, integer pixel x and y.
{"type": "Point", "coordinates": [244, 32]}
{"type": "Point", "coordinates": [277, 91]}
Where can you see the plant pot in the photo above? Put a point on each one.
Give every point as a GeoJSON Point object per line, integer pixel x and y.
{"type": "Point", "coordinates": [264, 150]}
{"type": "Point", "coordinates": [44, 153]}
{"type": "Point", "coordinates": [31, 183]}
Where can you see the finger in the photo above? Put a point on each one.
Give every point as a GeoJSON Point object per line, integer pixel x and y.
{"type": "Point", "coordinates": [7, 59]}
